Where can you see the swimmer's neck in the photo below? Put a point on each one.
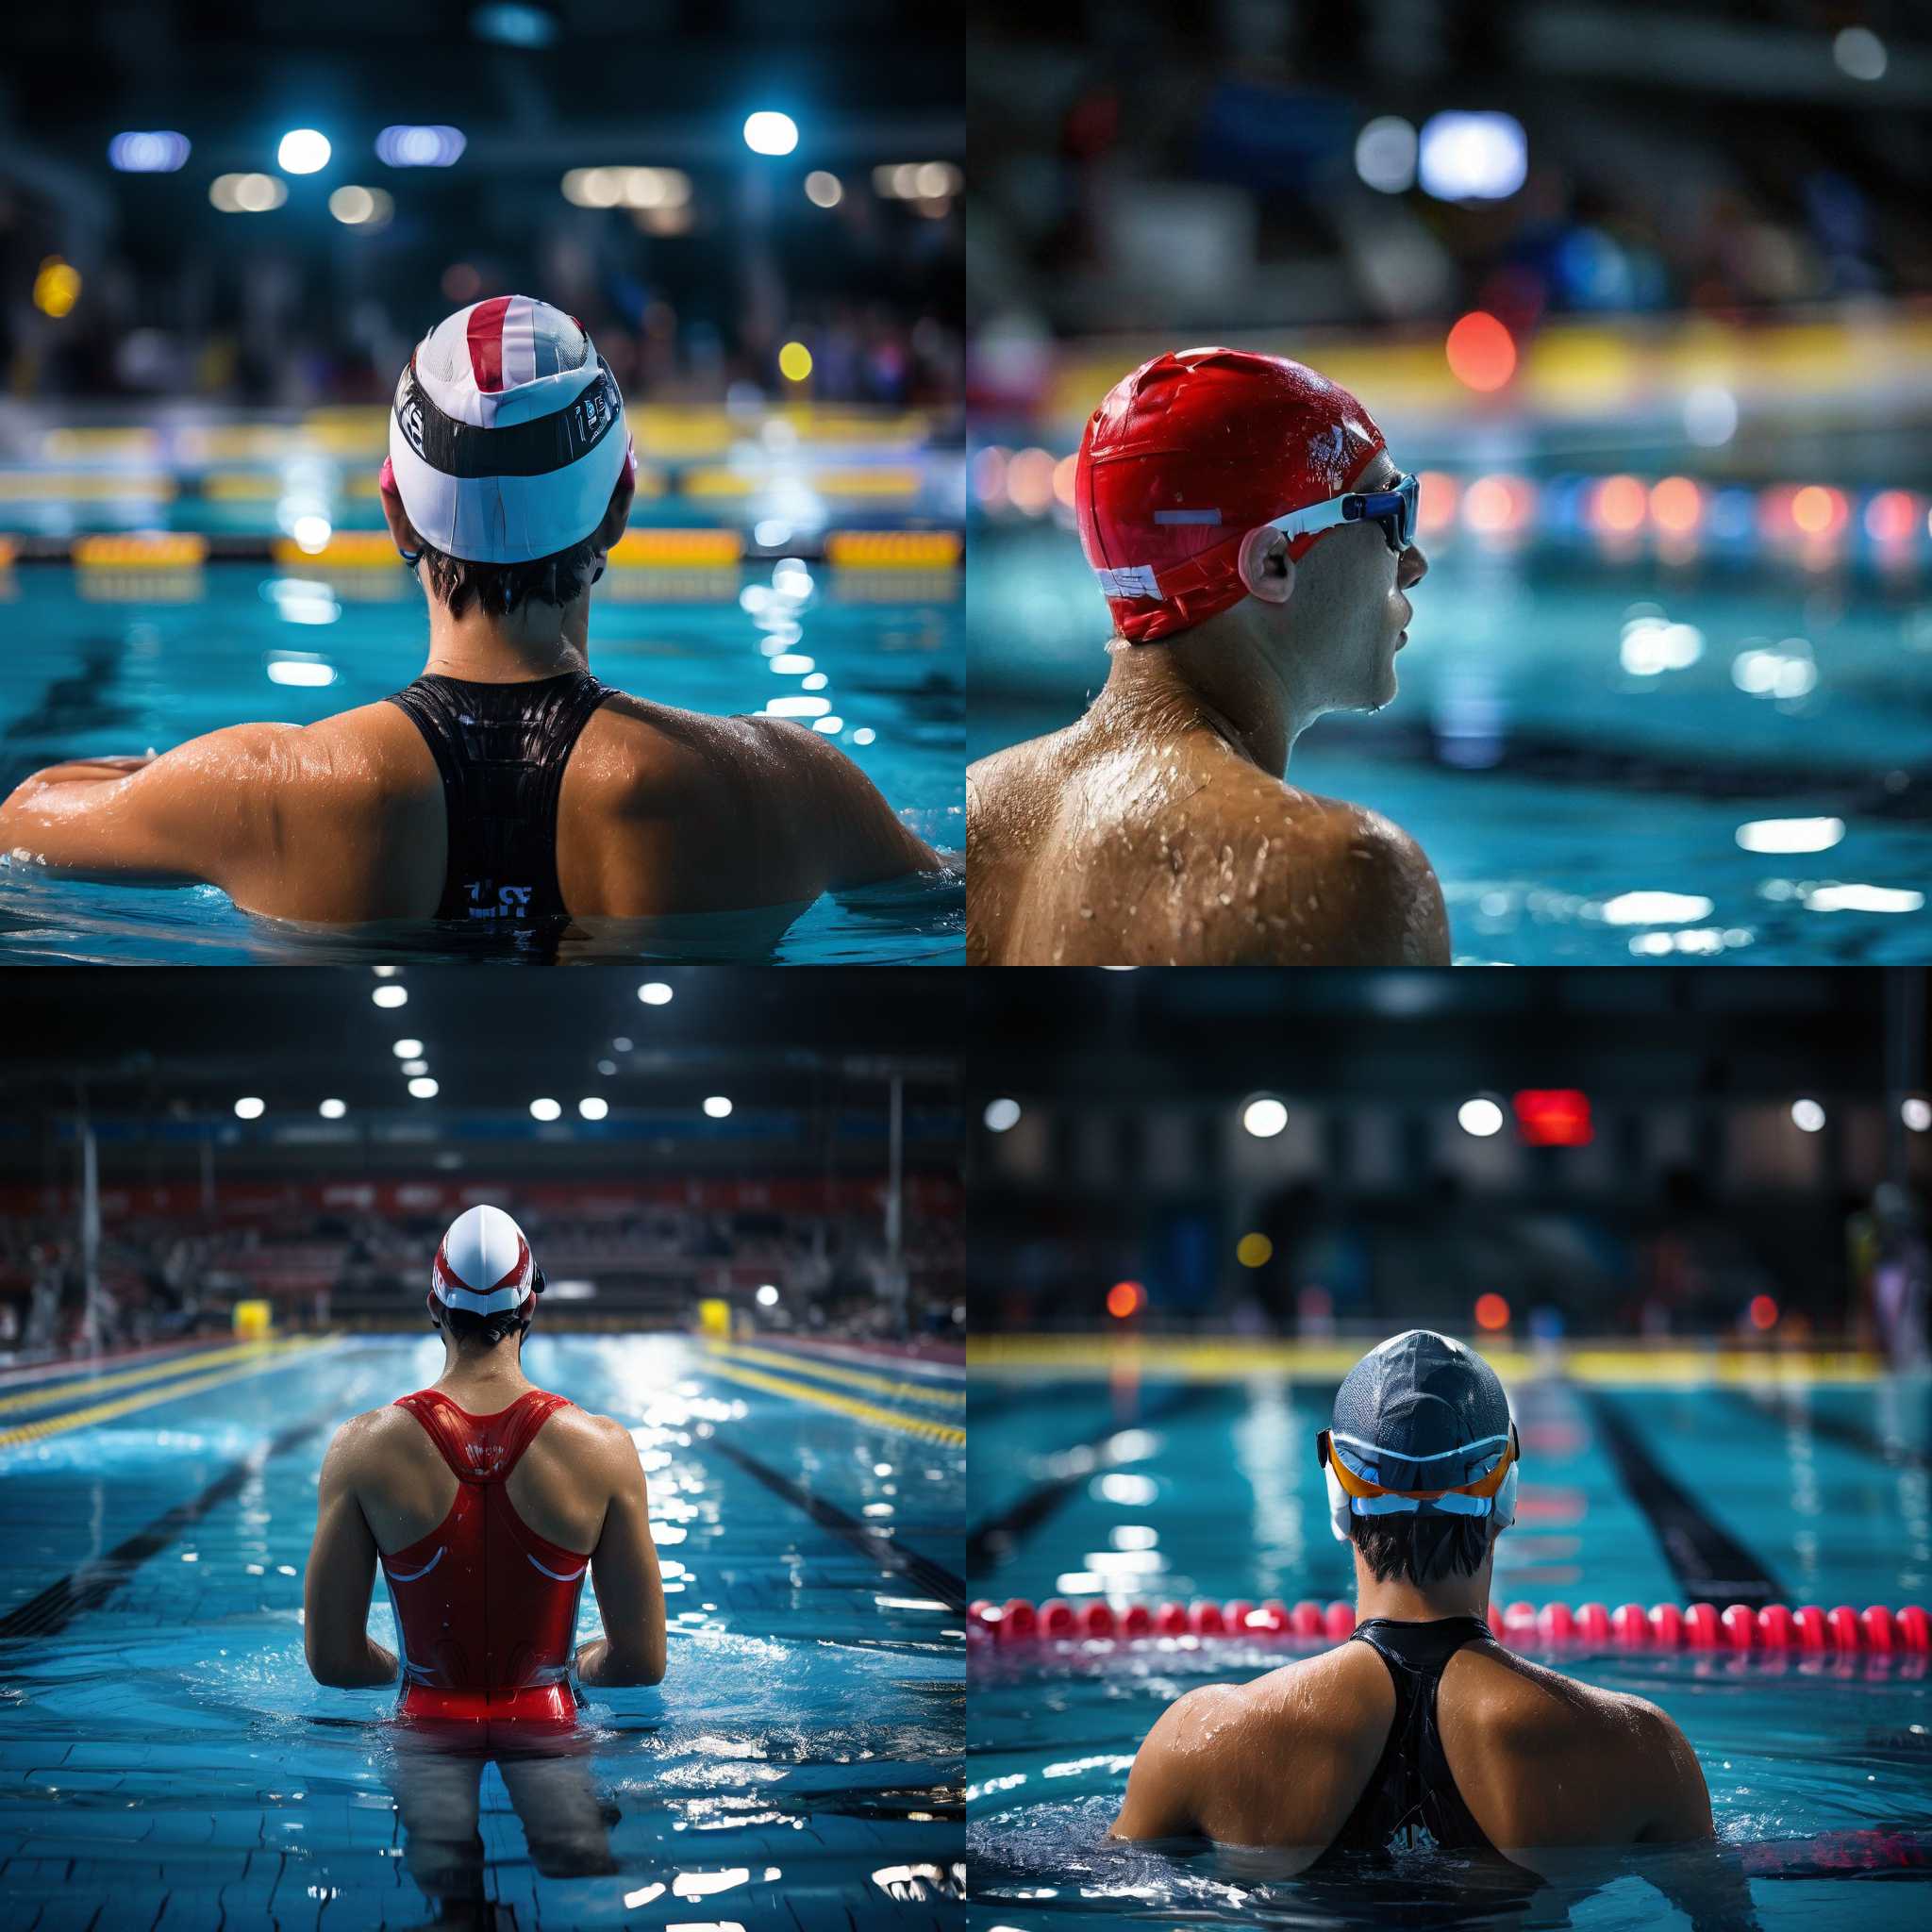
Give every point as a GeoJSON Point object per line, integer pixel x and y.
{"type": "Point", "coordinates": [537, 640]}
{"type": "Point", "coordinates": [1201, 682]}
{"type": "Point", "coordinates": [483, 1380]}
{"type": "Point", "coordinates": [1407, 1603]}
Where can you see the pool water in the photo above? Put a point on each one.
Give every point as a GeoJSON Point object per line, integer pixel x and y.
{"type": "Point", "coordinates": [166, 1758]}
{"type": "Point", "coordinates": [142, 669]}
{"type": "Point", "coordinates": [1789, 1493]}
{"type": "Point", "coordinates": [1576, 810]}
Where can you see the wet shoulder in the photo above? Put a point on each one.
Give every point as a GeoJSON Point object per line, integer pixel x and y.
{"type": "Point", "coordinates": [1287, 1756]}
{"type": "Point", "coordinates": [650, 757]}
{"type": "Point", "coordinates": [1543, 1758]}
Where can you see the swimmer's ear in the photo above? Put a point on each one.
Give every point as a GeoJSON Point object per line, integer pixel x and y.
{"type": "Point", "coordinates": [1267, 568]}
{"type": "Point", "coordinates": [401, 529]}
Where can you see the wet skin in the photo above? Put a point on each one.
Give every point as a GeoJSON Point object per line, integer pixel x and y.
{"type": "Point", "coordinates": [1159, 829]}
{"type": "Point", "coordinates": [1540, 1760]}
{"type": "Point", "coordinates": [661, 812]}
{"type": "Point", "coordinates": [385, 1485]}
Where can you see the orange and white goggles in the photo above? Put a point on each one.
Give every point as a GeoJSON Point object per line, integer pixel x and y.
{"type": "Point", "coordinates": [1474, 1479]}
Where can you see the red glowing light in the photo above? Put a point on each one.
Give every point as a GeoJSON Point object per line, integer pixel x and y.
{"type": "Point", "coordinates": [1491, 1311]}
{"type": "Point", "coordinates": [1763, 1311]}
{"type": "Point", "coordinates": [1125, 1298]}
{"type": "Point", "coordinates": [1552, 1117]}
{"type": "Point", "coordinates": [1890, 517]}
{"type": "Point", "coordinates": [1481, 353]}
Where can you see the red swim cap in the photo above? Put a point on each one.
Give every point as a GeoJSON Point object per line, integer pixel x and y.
{"type": "Point", "coordinates": [1187, 456]}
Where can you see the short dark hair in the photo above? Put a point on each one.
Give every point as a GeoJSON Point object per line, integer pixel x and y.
{"type": "Point", "coordinates": [1425, 1549]}
{"type": "Point", "coordinates": [485, 1331]}
{"type": "Point", "coordinates": [499, 589]}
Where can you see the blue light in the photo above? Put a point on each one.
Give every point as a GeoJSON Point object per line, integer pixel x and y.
{"type": "Point", "coordinates": [512, 23]}
{"type": "Point", "coordinates": [156, 153]}
{"type": "Point", "coordinates": [420, 147]}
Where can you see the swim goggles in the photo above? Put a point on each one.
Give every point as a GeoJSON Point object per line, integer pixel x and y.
{"type": "Point", "coordinates": [1353, 1468]}
{"type": "Point", "coordinates": [1395, 509]}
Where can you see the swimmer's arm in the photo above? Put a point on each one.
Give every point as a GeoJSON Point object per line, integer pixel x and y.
{"type": "Point", "coordinates": [1161, 1799]}
{"type": "Point", "coordinates": [202, 812]}
{"type": "Point", "coordinates": [623, 1572]}
{"type": "Point", "coordinates": [864, 843]}
{"type": "Point", "coordinates": [1677, 1799]}
{"type": "Point", "coordinates": [340, 1573]}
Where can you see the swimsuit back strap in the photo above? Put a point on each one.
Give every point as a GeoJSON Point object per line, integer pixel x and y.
{"type": "Point", "coordinates": [500, 750]}
{"type": "Point", "coordinates": [481, 1454]}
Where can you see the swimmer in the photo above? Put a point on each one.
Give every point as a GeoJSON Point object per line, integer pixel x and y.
{"type": "Point", "coordinates": [485, 1500]}
{"type": "Point", "coordinates": [506, 787]}
{"type": "Point", "coordinates": [1256, 549]}
{"type": "Point", "coordinates": [1421, 1723]}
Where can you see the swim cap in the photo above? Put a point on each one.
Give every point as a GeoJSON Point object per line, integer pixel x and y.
{"type": "Point", "coordinates": [508, 436]}
{"type": "Point", "coordinates": [1187, 456]}
{"type": "Point", "coordinates": [484, 1266]}
{"type": "Point", "coordinates": [1421, 1427]}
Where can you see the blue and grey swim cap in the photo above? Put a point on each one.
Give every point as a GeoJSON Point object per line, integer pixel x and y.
{"type": "Point", "coordinates": [1421, 1427]}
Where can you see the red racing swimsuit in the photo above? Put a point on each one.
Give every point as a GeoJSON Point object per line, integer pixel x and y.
{"type": "Point", "coordinates": [486, 1608]}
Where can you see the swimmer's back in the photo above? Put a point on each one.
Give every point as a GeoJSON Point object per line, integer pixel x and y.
{"type": "Point", "coordinates": [1087, 849]}
{"type": "Point", "coordinates": [1540, 1760]}
{"type": "Point", "coordinates": [344, 821]}
{"type": "Point", "coordinates": [561, 1487]}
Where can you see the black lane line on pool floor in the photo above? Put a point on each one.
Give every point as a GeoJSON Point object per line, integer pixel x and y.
{"type": "Point", "coordinates": [1710, 1565]}
{"type": "Point", "coordinates": [93, 1584]}
{"type": "Point", "coordinates": [934, 1579]}
{"type": "Point", "coordinates": [990, 1543]}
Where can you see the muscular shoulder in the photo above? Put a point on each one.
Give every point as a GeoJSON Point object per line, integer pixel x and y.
{"type": "Point", "coordinates": [1277, 1760]}
{"type": "Point", "coordinates": [1543, 1758]}
{"type": "Point", "coordinates": [588, 1441]}
{"type": "Point", "coordinates": [1333, 884]}
{"type": "Point", "coordinates": [649, 757]}
{"type": "Point", "coordinates": [371, 1441]}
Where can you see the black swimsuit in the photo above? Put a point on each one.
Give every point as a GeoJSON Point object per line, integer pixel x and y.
{"type": "Point", "coordinates": [501, 749]}
{"type": "Point", "coordinates": [1411, 1785]}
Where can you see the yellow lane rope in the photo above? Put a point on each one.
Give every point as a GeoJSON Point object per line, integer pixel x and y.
{"type": "Point", "coordinates": [844, 1405]}
{"type": "Point", "coordinates": [838, 1371]}
{"type": "Point", "coordinates": [50, 1394]}
{"type": "Point", "coordinates": [105, 1411]}
{"type": "Point", "coordinates": [1229, 1359]}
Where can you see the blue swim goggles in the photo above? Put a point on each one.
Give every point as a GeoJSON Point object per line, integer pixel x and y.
{"type": "Point", "coordinates": [1395, 509]}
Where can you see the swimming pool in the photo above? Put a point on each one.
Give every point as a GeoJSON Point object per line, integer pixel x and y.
{"type": "Point", "coordinates": [118, 663]}
{"type": "Point", "coordinates": [166, 1758]}
{"type": "Point", "coordinates": [1146, 1486]}
{"type": "Point", "coordinates": [1741, 776]}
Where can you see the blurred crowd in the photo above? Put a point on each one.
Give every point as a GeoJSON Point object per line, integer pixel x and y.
{"type": "Point", "coordinates": [1244, 167]}
{"type": "Point", "coordinates": [159, 1279]}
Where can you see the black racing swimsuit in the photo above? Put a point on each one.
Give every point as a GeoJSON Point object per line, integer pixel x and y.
{"type": "Point", "coordinates": [1412, 1787]}
{"type": "Point", "coordinates": [501, 749]}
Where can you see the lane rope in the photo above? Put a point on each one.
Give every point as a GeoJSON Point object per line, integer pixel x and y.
{"type": "Point", "coordinates": [844, 1404]}
{"type": "Point", "coordinates": [1875, 1630]}
{"type": "Point", "coordinates": [51, 1395]}
{"type": "Point", "coordinates": [148, 1398]}
{"type": "Point", "coordinates": [853, 1378]}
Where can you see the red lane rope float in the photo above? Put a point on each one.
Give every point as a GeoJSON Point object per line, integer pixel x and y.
{"type": "Point", "coordinates": [1874, 1630]}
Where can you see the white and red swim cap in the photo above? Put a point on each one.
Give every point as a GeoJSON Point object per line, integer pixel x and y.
{"type": "Point", "coordinates": [507, 435]}
{"type": "Point", "coordinates": [484, 1266]}
{"type": "Point", "coordinates": [1188, 454]}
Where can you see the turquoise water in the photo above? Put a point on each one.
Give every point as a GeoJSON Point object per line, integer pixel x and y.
{"type": "Point", "coordinates": [1549, 781]}
{"type": "Point", "coordinates": [105, 677]}
{"type": "Point", "coordinates": [1810, 1761]}
{"type": "Point", "coordinates": [166, 1760]}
